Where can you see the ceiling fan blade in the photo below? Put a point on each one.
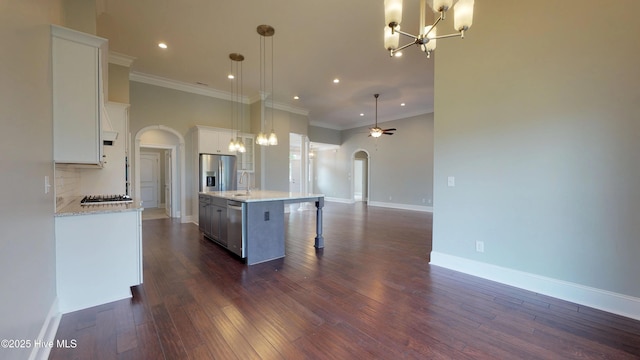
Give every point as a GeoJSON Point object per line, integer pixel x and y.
{"type": "Point", "coordinates": [393, 129]}
{"type": "Point", "coordinates": [388, 133]}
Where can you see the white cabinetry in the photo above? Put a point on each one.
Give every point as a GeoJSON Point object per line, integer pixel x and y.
{"type": "Point", "coordinates": [213, 140]}
{"type": "Point", "coordinates": [98, 258]}
{"type": "Point", "coordinates": [111, 178]}
{"type": "Point", "coordinates": [77, 61]}
{"type": "Point", "coordinates": [246, 159]}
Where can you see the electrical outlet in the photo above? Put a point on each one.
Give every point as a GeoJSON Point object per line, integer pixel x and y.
{"type": "Point", "coordinates": [451, 181]}
{"type": "Point", "coordinates": [480, 246]}
{"type": "Point", "coordinates": [266, 216]}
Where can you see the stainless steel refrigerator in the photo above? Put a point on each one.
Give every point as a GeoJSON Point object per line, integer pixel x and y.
{"type": "Point", "coordinates": [218, 172]}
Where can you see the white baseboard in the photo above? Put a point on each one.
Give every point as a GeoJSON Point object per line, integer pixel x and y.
{"type": "Point", "coordinates": [47, 333]}
{"type": "Point", "coordinates": [401, 206]}
{"type": "Point", "coordinates": [620, 304]}
{"type": "Point", "coordinates": [188, 219]}
{"type": "Point", "coordinates": [339, 200]}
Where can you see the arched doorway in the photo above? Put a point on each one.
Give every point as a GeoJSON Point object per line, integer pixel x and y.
{"type": "Point", "coordinates": [360, 185]}
{"type": "Point", "coordinates": [163, 137]}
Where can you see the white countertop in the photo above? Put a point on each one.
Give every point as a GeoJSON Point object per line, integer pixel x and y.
{"type": "Point", "coordinates": [74, 208]}
{"type": "Point", "coordinates": [262, 195]}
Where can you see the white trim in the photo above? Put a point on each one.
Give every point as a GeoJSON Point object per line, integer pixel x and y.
{"type": "Point", "coordinates": [620, 304]}
{"type": "Point", "coordinates": [190, 219]}
{"type": "Point", "coordinates": [352, 186]}
{"type": "Point", "coordinates": [401, 206]}
{"type": "Point", "coordinates": [77, 36]}
{"type": "Point", "coordinates": [207, 91]}
{"type": "Point", "coordinates": [121, 59]}
{"type": "Point", "coordinates": [182, 86]}
{"type": "Point", "coordinates": [321, 124]}
{"type": "Point", "coordinates": [339, 200]}
{"type": "Point", "coordinates": [178, 169]}
{"type": "Point", "coordinates": [289, 108]}
{"type": "Point", "coordinates": [368, 123]}
{"type": "Point", "coordinates": [47, 333]}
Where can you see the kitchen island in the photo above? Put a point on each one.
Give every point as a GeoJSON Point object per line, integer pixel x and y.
{"type": "Point", "coordinates": [251, 225]}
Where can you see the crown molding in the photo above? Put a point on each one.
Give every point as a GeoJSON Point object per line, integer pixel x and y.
{"type": "Point", "coordinates": [182, 86]}
{"type": "Point", "coordinates": [206, 91]}
{"type": "Point", "coordinates": [278, 105]}
{"type": "Point", "coordinates": [121, 59]}
{"type": "Point", "coordinates": [289, 108]}
{"type": "Point", "coordinates": [325, 125]}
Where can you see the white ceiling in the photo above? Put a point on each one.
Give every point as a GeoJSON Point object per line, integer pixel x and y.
{"type": "Point", "coordinates": [314, 41]}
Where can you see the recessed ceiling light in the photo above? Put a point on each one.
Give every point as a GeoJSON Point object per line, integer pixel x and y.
{"type": "Point", "coordinates": [296, 97]}
{"type": "Point", "coordinates": [336, 80]}
{"type": "Point", "coordinates": [361, 114]}
{"type": "Point", "coordinates": [398, 54]}
{"type": "Point", "coordinates": [230, 76]}
{"type": "Point", "coordinates": [402, 104]}
{"type": "Point", "coordinates": [162, 45]}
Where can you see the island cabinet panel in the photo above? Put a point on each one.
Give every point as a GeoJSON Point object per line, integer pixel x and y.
{"type": "Point", "coordinates": [212, 218]}
{"type": "Point", "coordinates": [264, 229]}
{"type": "Point", "coordinates": [98, 258]}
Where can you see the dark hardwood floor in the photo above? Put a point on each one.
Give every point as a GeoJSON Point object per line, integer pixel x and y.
{"type": "Point", "coordinates": [370, 294]}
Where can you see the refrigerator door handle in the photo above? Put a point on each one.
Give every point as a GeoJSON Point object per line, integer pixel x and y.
{"type": "Point", "coordinates": [221, 171]}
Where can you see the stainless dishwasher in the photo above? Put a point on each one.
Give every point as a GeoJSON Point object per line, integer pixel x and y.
{"type": "Point", "coordinates": [235, 241]}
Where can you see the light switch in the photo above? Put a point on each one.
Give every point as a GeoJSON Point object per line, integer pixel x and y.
{"type": "Point", "coordinates": [451, 181]}
{"type": "Point", "coordinates": [47, 185]}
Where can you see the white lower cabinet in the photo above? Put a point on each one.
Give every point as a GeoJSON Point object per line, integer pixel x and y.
{"type": "Point", "coordinates": [98, 258]}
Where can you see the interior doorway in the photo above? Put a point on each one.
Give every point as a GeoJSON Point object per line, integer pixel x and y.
{"type": "Point", "coordinates": [360, 183]}
{"type": "Point", "coordinates": [169, 144]}
{"type": "Point", "coordinates": [299, 179]}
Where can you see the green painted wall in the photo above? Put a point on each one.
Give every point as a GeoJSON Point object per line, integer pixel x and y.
{"type": "Point", "coordinates": [536, 116]}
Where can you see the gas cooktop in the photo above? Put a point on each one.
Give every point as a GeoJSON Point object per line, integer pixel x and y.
{"type": "Point", "coordinates": [105, 199]}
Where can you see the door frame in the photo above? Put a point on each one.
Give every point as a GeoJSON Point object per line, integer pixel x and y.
{"type": "Point", "coordinates": [366, 195]}
{"type": "Point", "coordinates": [177, 168]}
{"type": "Point", "coordinates": [168, 198]}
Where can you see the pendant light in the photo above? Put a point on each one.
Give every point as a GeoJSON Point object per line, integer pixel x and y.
{"type": "Point", "coordinates": [236, 101]}
{"type": "Point", "coordinates": [266, 31]}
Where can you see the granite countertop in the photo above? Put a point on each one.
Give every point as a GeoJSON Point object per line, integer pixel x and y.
{"type": "Point", "coordinates": [261, 195]}
{"type": "Point", "coordinates": [74, 208]}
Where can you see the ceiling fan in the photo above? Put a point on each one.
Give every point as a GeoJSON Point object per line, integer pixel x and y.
{"type": "Point", "coordinates": [377, 131]}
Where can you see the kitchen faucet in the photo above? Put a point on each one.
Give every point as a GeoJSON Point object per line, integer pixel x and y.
{"type": "Point", "coordinates": [241, 177]}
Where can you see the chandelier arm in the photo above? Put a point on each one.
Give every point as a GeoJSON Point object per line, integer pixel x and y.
{"type": "Point", "coordinates": [460, 34]}
{"type": "Point", "coordinates": [404, 33]}
{"type": "Point", "coordinates": [404, 46]}
{"type": "Point", "coordinates": [440, 18]}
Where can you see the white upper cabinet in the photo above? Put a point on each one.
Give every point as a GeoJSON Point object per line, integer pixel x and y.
{"type": "Point", "coordinates": [213, 140]}
{"type": "Point", "coordinates": [246, 159]}
{"type": "Point", "coordinates": [77, 62]}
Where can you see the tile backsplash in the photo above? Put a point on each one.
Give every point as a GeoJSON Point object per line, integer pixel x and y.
{"type": "Point", "coordinates": [67, 184]}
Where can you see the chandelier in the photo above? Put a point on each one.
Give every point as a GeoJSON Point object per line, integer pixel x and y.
{"type": "Point", "coordinates": [266, 31]}
{"type": "Point", "coordinates": [236, 102]}
{"type": "Point", "coordinates": [426, 38]}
